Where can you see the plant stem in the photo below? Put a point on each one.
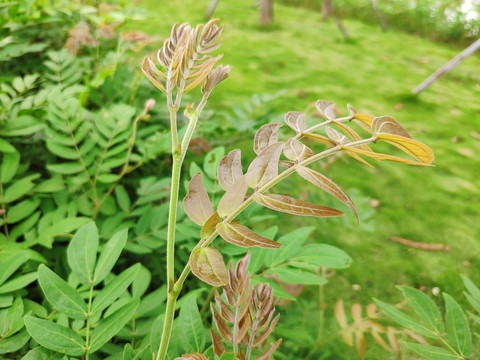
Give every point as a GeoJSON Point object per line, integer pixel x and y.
{"type": "Point", "coordinates": [174, 288]}
{"type": "Point", "coordinates": [89, 315]}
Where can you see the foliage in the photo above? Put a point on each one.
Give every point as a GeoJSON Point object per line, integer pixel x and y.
{"type": "Point", "coordinates": [451, 331]}
{"type": "Point", "coordinates": [442, 20]}
{"type": "Point", "coordinates": [90, 132]}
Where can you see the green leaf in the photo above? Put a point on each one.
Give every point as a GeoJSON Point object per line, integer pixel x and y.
{"type": "Point", "coordinates": [211, 160]}
{"type": "Point", "coordinates": [18, 189]}
{"type": "Point", "coordinates": [82, 252]}
{"type": "Point", "coordinates": [112, 324]}
{"type": "Point", "coordinates": [22, 210]}
{"type": "Point", "coordinates": [40, 353]}
{"type": "Point", "coordinates": [55, 337]}
{"type": "Point", "coordinates": [9, 166]}
{"type": "Point", "coordinates": [432, 352]}
{"type": "Point", "coordinates": [108, 178]}
{"type": "Point", "coordinates": [295, 276]}
{"type": "Point", "coordinates": [405, 320]}
{"type": "Point", "coordinates": [228, 356]}
{"type": "Point", "coordinates": [315, 256]}
{"type": "Point", "coordinates": [191, 327]}
{"type": "Point", "coordinates": [63, 152]}
{"type": "Point", "coordinates": [109, 255]}
{"type": "Point", "coordinates": [8, 267]}
{"type": "Point", "coordinates": [62, 296]}
{"type": "Point", "coordinates": [5, 147]}
{"type": "Point", "coordinates": [14, 343]}
{"type": "Point", "coordinates": [66, 168]}
{"type": "Point", "coordinates": [123, 199]}
{"type": "Point", "coordinates": [141, 282]}
{"type": "Point", "coordinates": [18, 283]}
{"type": "Point", "coordinates": [425, 308]}
{"type": "Point", "coordinates": [127, 352]}
{"type": "Point", "coordinates": [458, 331]}
{"type": "Point", "coordinates": [9, 317]}
{"type": "Point", "coordinates": [290, 243]}
{"type": "Point", "coordinates": [114, 289]}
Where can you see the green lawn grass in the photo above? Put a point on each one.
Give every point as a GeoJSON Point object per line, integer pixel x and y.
{"type": "Point", "coordinates": [375, 73]}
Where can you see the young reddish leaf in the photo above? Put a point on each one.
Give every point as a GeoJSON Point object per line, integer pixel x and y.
{"type": "Point", "coordinates": [223, 329]}
{"type": "Point", "coordinates": [388, 125]}
{"type": "Point", "coordinates": [295, 150]}
{"type": "Point", "coordinates": [209, 227]}
{"type": "Point", "coordinates": [359, 159]}
{"type": "Point", "coordinates": [286, 164]}
{"type": "Point", "coordinates": [326, 109]}
{"type": "Point", "coordinates": [293, 206]}
{"type": "Point", "coordinates": [268, 354]}
{"type": "Point", "coordinates": [265, 166]}
{"type": "Point", "coordinates": [296, 121]}
{"type": "Point", "coordinates": [150, 71]}
{"type": "Point", "coordinates": [383, 156]}
{"type": "Point", "coordinates": [360, 344]}
{"type": "Point", "coordinates": [327, 185]}
{"type": "Point", "coordinates": [242, 236]}
{"type": "Point", "coordinates": [233, 198]}
{"type": "Point", "coordinates": [412, 147]}
{"type": "Point", "coordinates": [265, 136]}
{"type": "Point", "coordinates": [364, 118]}
{"type": "Point", "coordinates": [230, 169]}
{"type": "Point", "coordinates": [196, 203]}
{"type": "Point", "coordinates": [353, 134]}
{"type": "Point", "coordinates": [336, 136]}
{"type": "Point", "coordinates": [218, 346]}
{"type": "Point", "coordinates": [319, 138]}
{"type": "Point", "coordinates": [207, 264]}
{"type": "Point", "coordinates": [340, 314]}
{"type": "Point", "coordinates": [192, 356]}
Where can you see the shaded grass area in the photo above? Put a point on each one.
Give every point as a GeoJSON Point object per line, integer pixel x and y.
{"type": "Point", "coordinates": [375, 73]}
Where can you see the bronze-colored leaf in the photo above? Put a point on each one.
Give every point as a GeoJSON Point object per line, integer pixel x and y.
{"type": "Point", "coordinates": [196, 203]}
{"type": "Point", "coordinates": [326, 109]}
{"type": "Point", "coordinates": [375, 331]}
{"type": "Point", "coordinates": [265, 136]}
{"type": "Point", "coordinates": [293, 206]}
{"type": "Point", "coordinates": [215, 77]}
{"type": "Point", "coordinates": [265, 166]}
{"type": "Point", "coordinates": [218, 346]}
{"type": "Point", "coordinates": [360, 344]}
{"type": "Point", "coordinates": [225, 311]}
{"type": "Point", "coordinates": [383, 156]}
{"type": "Point", "coordinates": [209, 227]}
{"type": "Point", "coordinates": [412, 147]}
{"type": "Point", "coordinates": [233, 198]}
{"type": "Point", "coordinates": [260, 339]}
{"type": "Point", "coordinates": [319, 138]}
{"type": "Point", "coordinates": [351, 110]}
{"type": "Point", "coordinates": [353, 134]}
{"type": "Point", "coordinates": [243, 327]}
{"type": "Point", "coordinates": [286, 164]}
{"type": "Point", "coordinates": [150, 71]}
{"type": "Point", "coordinates": [365, 119]}
{"type": "Point", "coordinates": [295, 150]}
{"type": "Point", "coordinates": [296, 121]}
{"type": "Point", "coordinates": [388, 125]}
{"type": "Point", "coordinates": [230, 169]}
{"type": "Point", "coordinates": [193, 356]}
{"type": "Point", "coordinates": [336, 136]}
{"type": "Point", "coordinates": [242, 236]}
{"type": "Point", "coordinates": [204, 72]}
{"type": "Point", "coordinates": [357, 313]}
{"type": "Point", "coordinates": [268, 354]}
{"type": "Point", "coordinates": [223, 329]}
{"type": "Point", "coordinates": [327, 185]}
{"type": "Point", "coordinates": [340, 314]}
{"type": "Point", "coordinates": [207, 264]}
{"type": "Point", "coordinates": [394, 343]}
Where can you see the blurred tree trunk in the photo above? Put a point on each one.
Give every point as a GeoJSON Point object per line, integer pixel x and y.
{"type": "Point", "coordinates": [447, 67]}
{"type": "Point", "coordinates": [211, 9]}
{"type": "Point", "coordinates": [379, 14]}
{"type": "Point", "coordinates": [327, 11]}
{"type": "Point", "coordinates": [266, 12]}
